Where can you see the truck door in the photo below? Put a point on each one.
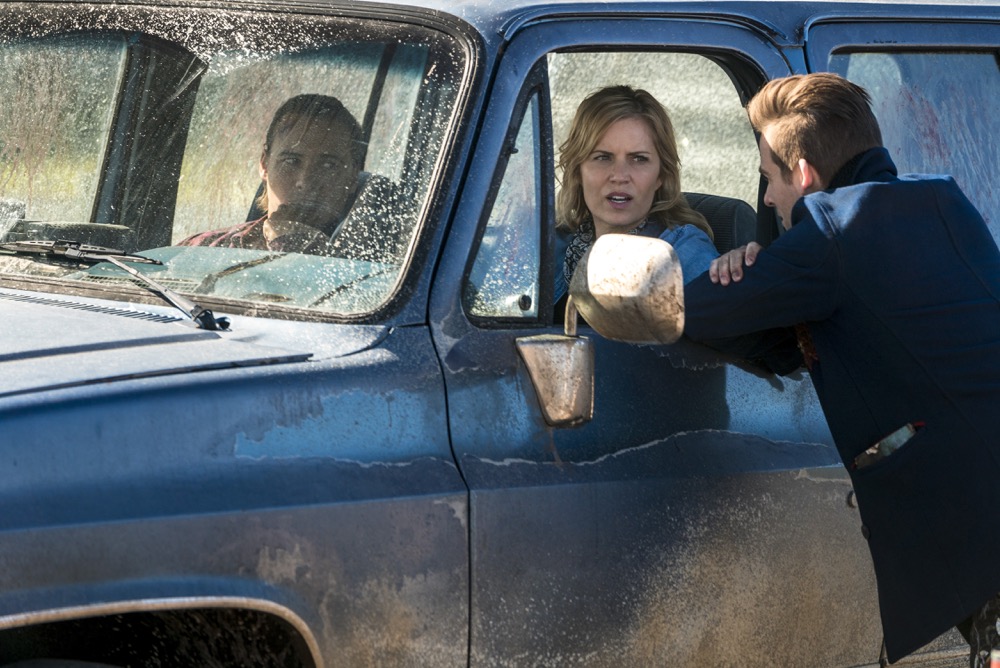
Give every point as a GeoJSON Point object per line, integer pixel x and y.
{"type": "Point", "coordinates": [703, 511]}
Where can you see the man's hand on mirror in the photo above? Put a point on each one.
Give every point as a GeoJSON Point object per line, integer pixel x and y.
{"type": "Point", "coordinates": [728, 267]}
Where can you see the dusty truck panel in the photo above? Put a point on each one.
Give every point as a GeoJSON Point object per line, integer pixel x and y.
{"type": "Point", "coordinates": [353, 468]}
{"type": "Point", "coordinates": [688, 580]}
{"type": "Point", "coordinates": [206, 501]}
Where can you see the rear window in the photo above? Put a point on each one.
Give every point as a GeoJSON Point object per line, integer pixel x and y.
{"type": "Point", "coordinates": [937, 114]}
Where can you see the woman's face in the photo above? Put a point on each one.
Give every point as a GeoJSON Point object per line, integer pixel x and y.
{"type": "Point", "coordinates": [310, 172]}
{"type": "Point", "coordinates": [621, 175]}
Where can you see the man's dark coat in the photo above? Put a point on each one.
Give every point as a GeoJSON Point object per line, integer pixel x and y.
{"type": "Point", "coordinates": [898, 281]}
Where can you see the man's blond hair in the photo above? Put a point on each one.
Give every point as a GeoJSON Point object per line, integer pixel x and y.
{"type": "Point", "coordinates": [821, 117]}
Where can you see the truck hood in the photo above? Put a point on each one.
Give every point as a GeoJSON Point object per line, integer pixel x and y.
{"type": "Point", "coordinates": [54, 342]}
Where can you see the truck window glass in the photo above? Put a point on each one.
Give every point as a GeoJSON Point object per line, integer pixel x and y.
{"type": "Point", "coordinates": [936, 111]}
{"type": "Point", "coordinates": [504, 278]}
{"type": "Point", "coordinates": [155, 144]}
{"type": "Point", "coordinates": [55, 115]}
{"type": "Point", "coordinates": [236, 101]}
{"type": "Point", "coordinates": [717, 147]}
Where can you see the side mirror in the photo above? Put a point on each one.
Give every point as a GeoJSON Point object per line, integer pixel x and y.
{"type": "Point", "coordinates": [561, 368]}
{"type": "Point", "coordinates": [630, 288]}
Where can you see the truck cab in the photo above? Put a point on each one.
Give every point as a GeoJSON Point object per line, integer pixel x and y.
{"type": "Point", "coordinates": [241, 454]}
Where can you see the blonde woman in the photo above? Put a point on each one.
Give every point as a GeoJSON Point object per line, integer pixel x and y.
{"type": "Point", "coordinates": [621, 174]}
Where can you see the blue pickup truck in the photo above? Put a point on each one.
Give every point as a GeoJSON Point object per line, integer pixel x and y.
{"type": "Point", "coordinates": [238, 454]}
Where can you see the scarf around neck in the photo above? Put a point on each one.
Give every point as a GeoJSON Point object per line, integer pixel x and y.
{"type": "Point", "coordinates": [581, 242]}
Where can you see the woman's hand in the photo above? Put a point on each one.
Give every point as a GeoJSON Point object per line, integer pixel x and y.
{"type": "Point", "coordinates": [729, 267]}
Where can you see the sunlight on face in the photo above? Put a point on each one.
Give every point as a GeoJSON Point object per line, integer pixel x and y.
{"type": "Point", "coordinates": [310, 172]}
{"type": "Point", "coordinates": [621, 175]}
{"type": "Point", "coordinates": [781, 193]}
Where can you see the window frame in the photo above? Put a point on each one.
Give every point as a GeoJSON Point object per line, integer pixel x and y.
{"type": "Point", "coordinates": [747, 68]}
{"type": "Point", "coordinates": [406, 302]}
{"type": "Point", "coordinates": [535, 86]}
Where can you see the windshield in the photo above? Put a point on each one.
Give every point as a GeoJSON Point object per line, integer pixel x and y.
{"type": "Point", "coordinates": [268, 162]}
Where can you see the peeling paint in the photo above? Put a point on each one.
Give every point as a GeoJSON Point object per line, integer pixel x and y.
{"type": "Point", "coordinates": [675, 439]}
{"type": "Point", "coordinates": [390, 628]}
{"type": "Point", "coordinates": [280, 565]}
{"type": "Point", "coordinates": [803, 474]}
{"type": "Point", "coordinates": [352, 421]}
{"type": "Point", "coordinates": [459, 510]}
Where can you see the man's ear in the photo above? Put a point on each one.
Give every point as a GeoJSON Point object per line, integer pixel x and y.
{"type": "Point", "coordinates": [809, 178]}
{"type": "Point", "coordinates": [262, 167]}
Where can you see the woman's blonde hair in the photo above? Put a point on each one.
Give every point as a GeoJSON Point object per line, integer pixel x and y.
{"type": "Point", "coordinates": [598, 112]}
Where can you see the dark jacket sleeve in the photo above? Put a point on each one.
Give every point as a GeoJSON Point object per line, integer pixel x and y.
{"type": "Point", "coordinates": [794, 280]}
{"type": "Point", "coordinates": [774, 350]}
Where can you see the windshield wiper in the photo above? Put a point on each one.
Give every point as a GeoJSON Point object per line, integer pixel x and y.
{"type": "Point", "coordinates": [337, 291]}
{"type": "Point", "coordinates": [208, 283]}
{"type": "Point", "coordinates": [71, 251]}
{"type": "Point", "coordinates": [202, 317]}
{"type": "Point", "coordinates": [79, 253]}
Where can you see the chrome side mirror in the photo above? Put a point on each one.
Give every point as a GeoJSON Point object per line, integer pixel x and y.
{"type": "Point", "coordinates": [630, 288]}
{"type": "Point", "coordinates": [561, 368]}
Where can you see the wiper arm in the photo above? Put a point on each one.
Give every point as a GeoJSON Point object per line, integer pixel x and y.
{"type": "Point", "coordinates": [349, 284]}
{"type": "Point", "coordinates": [72, 251]}
{"type": "Point", "coordinates": [208, 283]}
{"type": "Point", "coordinates": [202, 317]}
{"type": "Point", "coordinates": [79, 253]}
